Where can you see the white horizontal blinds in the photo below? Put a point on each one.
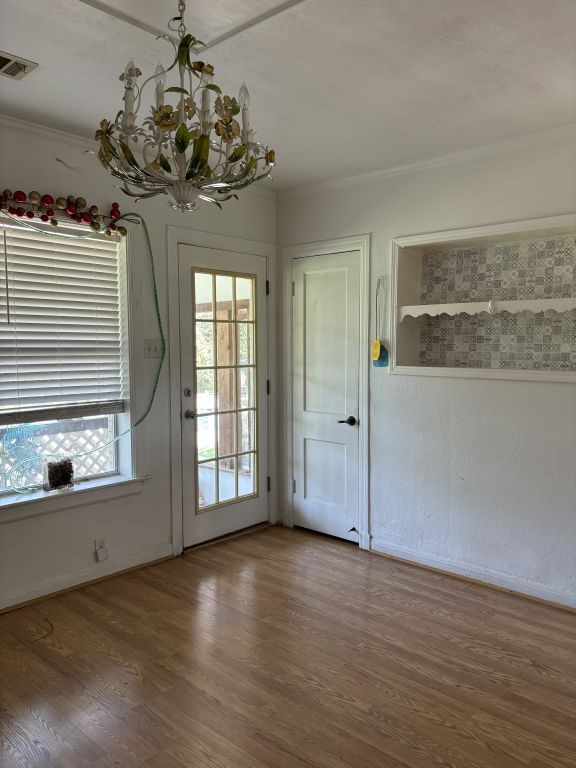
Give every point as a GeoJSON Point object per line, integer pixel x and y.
{"type": "Point", "coordinates": [60, 334]}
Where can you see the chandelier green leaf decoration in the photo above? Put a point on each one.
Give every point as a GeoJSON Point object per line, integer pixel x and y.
{"type": "Point", "coordinates": [188, 147]}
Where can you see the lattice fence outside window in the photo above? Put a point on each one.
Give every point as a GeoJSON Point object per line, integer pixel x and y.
{"type": "Point", "coordinates": [87, 440]}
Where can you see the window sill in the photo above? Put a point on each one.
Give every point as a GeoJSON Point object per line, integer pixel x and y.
{"type": "Point", "coordinates": [23, 506]}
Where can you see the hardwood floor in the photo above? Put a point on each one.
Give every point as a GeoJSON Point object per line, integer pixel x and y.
{"type": "Point", "coordinates": [284, 649]}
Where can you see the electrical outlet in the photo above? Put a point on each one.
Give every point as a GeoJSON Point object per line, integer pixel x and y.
{"type": "Point", "coordinates": [152, 347]}
{"type": "Point", "coordinates": [101, 550]}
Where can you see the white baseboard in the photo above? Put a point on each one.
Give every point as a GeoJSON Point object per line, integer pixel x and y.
{"type": "Point", "coordinates": [487, 576]}
{"type": "Point", "coordinates": [97, 571]}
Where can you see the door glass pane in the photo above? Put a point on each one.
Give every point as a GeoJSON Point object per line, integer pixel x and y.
{"type": "Point", "coordinates": [246, 474]}
{"type": "Point", "coordinates": [226, 389]}
{"type": "Point", "coordinates": [245, 343]}
{"type": "Point", "coordinates": [206, 484]}
{"type": "Point", "coordinates": [224, 297]}
{"type": "Point", "coordinates": [246, 422]}
{"type": "Point", "coordinates": [226, 375]}
{"type": "Point", "coordinates": [244, 299]}
{"type": "Point", "coordinates": [225, 343]}
{"type": "Point", "coordinates": [227, 479]}
{"type": "Point", "coordinates": [204, 344]}
{"type": "Point", "coordinates": [206, 437]}
{"type": "Point", "coordinates": [226, 434]}
{"type": "Point", "coordinates": [205, 394]}
{"type": "Point", "coordinates": [203, 296]}
{"type": "Point", "coordinates": [246, 398]}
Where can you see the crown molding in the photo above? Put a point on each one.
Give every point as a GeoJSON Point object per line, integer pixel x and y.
{"type": "Point", "coordinates": [14, 124]}
{"type": "Point", "coordinates": [84, 144]}
{"type": "Point", "coordinates": [495, 148]}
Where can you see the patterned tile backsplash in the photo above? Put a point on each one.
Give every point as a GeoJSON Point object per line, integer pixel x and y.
{"type": "Point", "coordinates": [524, 270]}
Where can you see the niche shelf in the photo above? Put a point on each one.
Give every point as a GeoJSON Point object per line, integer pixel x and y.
{"type": "Point", "coordinates": [489, 302]}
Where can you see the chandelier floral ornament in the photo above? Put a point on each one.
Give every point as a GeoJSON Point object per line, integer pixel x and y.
{"type": "Point", "coordinates": [190, 146]}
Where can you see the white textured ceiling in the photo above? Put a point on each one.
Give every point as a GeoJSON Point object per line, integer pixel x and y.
{"type": "Point", "coordinates": [339, 87]}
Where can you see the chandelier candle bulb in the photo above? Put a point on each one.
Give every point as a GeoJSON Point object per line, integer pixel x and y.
{"type": "Point", "coordinates": [160, 78]}
{"type": "Point", "coordinates": [244, 99]}
{"type": "Point", "coordinates": [128, 92]}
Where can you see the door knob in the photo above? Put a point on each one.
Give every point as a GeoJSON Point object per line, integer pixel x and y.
{"type": "Point", "coordinates": [350, 421]}
{"type": "Point", "coordinates": [189, 415]}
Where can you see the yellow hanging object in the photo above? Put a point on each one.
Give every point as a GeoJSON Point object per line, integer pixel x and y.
{"type": "Point", "coordinates": [379, 351]}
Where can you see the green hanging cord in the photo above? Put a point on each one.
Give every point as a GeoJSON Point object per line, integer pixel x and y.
{"type": "Point", "coordinates": [130, 217]}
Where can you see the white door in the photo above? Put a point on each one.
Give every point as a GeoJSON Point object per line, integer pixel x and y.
{"type": "Point", "coordinates": [326, 355]}
{"type": "Point", "coordinates": [223, 389]}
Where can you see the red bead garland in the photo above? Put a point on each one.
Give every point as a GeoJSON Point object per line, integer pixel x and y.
{"type": "Point", "coordinates": [47, 208]}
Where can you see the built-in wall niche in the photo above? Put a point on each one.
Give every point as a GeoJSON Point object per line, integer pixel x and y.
{"type": "Point", "coordinates": [496, 301]}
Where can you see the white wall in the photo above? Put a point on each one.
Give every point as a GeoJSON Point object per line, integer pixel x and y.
{"type": "Point", "coordinates": [48, 552]}
{"type": "Point", "coordinates": [473, 476]}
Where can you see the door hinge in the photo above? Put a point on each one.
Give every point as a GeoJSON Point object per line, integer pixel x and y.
{"type": "Point", "coordinates": [293, 486]}
{"type": "Point", "coordinates": [293, 289]}
{"type": "Point", "coordinates": [268, 483]}
{"type": "Point", "coordinates": [267, 287]}
{"type": "Point", "coordinates": [267, 386]}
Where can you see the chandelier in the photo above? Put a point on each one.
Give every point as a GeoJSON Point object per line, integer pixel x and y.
{"type": "Point", "coordinates": [190, 146]}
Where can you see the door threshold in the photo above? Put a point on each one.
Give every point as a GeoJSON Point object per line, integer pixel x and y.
{"type": "Point", "coordinates": [228, 536]}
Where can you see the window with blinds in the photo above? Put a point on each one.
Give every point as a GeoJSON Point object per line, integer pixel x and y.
{"type": "Point", "coordinates": [60, 326]}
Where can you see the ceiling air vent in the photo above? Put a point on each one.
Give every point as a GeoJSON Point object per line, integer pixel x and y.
{"type": "Point", "coordinates": [14, 66]}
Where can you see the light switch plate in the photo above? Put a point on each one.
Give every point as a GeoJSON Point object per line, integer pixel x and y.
{"type": "Point", "coordinates": [152, 347]}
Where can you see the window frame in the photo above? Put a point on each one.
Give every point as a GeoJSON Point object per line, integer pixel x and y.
{"type": "Point", "coordinates": [124, 480]}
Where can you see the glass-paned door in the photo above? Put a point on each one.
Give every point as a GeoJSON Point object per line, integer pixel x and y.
{"type": "Point", "coordinates": [226, 397]}
{"type": "Point", "coordinates": [224, 407]}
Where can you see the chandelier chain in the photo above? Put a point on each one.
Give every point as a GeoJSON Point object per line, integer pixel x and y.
{"type": "Point", "coordinates": [181, 11]}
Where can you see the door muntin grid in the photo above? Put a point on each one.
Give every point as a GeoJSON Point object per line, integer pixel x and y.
{"type": "Point", "coordinates": [225, 387]}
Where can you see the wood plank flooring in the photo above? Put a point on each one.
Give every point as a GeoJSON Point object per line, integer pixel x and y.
{"type": "Point", "coordinates": [285, 649]}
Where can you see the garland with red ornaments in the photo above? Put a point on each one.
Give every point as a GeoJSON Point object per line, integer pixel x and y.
{"type": "Point", "coordinates": [49, 209]}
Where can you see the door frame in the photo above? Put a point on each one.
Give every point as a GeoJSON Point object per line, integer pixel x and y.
{"type": "Point", "coordinates": [360, 243]}
{"type": "Point", "coordinates": [177, 236]}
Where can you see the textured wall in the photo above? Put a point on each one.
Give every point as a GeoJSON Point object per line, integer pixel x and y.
{"type": "Point", "coordinates": [476, 476]}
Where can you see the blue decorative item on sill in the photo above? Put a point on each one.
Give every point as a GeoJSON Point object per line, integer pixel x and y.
{"type": "Point", "coordinates": [379, 351]}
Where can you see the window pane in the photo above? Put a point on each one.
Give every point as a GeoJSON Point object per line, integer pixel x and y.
{"type": "Point", "coordinates": [203, 296]}
{"type": "Point", "coordinates": [205, 394]}
{"type": "Point", "coordinates": [226, 479]}
{"type": "Point", "coordinates": [245, 344]}
{"type": "Point", "coordinates": [244, 299]}
{"type": "Point", "coordinates": [206, 484]}
{"type": "Point", "coordinates": [246, 474]}
{"type": "Point", "coordinates": [204, 344]}
{"type": "Point", "coordinates": [226, 389]}
{"type": "Point", "coordinates": [224, 297]}
{"type": "Point", "coordinates": [246, 398]}
{"type": "Point", "coordinates": [24, 446]}
{"type": "Point", "coordinates": [225, 343]}
{"type": "Point", "coordinates": [246, 423]}
{"type": "Point", "coordinates": [226, 434]}
{"type": "Point", "coordinates": [206, 437]}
